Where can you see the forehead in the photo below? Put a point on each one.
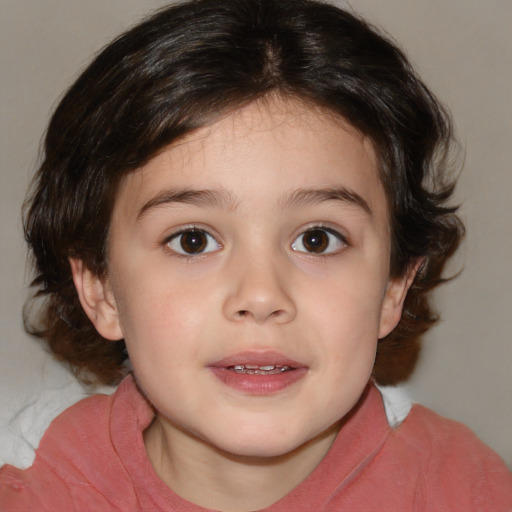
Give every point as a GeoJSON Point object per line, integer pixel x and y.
{"type": "Point", "coordinates": [266, 150]}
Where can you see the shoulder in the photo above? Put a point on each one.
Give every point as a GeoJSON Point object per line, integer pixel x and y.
{"type": "Point", "coordinates": [450, 461]}
{"type": "Point", "coordinates": [75, 462]}
{"type": "Point", "coordinates": [425, 432]}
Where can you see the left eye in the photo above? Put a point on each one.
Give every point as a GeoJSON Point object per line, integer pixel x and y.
{"type": "Point", "coordinates": [319, 241]}
{"type": "Point", "coordinates": [193, 241]}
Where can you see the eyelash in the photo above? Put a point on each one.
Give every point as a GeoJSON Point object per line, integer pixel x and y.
{"type": "Point", "coordinates": [339, 239]}
{"type": "Point", "coordinates": [206, 248]}
{"type": "Point", "coordinates": [190, 230]}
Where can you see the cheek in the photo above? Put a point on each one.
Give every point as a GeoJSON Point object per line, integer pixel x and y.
{"type": "Point", "coordinates": [160, 319]}
{"type": "Point", "coordinates": [347, 319]}
{"type": "Point", "coordinates": [348, 301]}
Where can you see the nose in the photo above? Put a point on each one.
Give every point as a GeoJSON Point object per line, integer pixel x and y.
{"type": "Point", "coordinates": [259, 292]}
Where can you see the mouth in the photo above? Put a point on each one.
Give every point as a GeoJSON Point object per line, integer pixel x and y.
{"type": "Point", "coordinates": [258, 373]}
{"type": "Point", "coordinates": [259, 370]}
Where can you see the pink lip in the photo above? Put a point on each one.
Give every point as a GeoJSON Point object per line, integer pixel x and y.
{"type": "Point", "coordinates": [260, 358]}
{"type": "Point", "coordinates": [258, 384]}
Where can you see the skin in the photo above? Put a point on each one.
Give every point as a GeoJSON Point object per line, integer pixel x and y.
{"type": "Point", "coordinates": [256, 286]}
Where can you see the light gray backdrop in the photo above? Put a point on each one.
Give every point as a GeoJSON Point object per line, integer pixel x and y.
{"type": "Point", "coordinates": [462, 48]}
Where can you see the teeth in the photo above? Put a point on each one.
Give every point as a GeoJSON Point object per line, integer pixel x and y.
{"type": "Point", "coordinates": [259, 370]}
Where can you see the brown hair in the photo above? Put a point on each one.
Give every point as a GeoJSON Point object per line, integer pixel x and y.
{"type": "Point", "coordinates": [182, 69]}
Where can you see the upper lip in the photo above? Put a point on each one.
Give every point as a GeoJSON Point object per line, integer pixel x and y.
{"type": "Point", "coordinates": [256, 358]}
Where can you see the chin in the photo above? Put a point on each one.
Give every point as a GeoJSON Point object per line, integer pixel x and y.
{"type": "Point", "coordinates": [260, 450]}
{"type": "Point", "coordinates": [264, 444]}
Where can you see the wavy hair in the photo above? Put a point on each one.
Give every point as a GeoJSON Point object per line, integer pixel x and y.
{"type": "Point", "coordinates": [185, 67]}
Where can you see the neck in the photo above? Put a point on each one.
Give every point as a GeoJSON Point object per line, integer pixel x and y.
{"type": "Point", "coordinates": [211, 478]}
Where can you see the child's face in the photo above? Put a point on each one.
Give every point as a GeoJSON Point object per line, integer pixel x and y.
{"type": "Point", "coordinates": [261, 241]}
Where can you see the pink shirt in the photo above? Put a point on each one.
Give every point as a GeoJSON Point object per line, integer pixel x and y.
{"type": "Point", "coordinates": [92, 458]}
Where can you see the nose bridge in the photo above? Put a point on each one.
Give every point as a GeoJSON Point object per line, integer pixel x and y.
{"type": "Point", "coordinates": [260, 288]}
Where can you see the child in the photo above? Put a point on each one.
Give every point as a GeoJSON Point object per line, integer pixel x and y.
{"type": "Point", "coordinates": [249, 200]}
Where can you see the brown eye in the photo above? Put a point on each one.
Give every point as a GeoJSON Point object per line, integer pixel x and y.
{"type": "Point", "coordinates": [319, 241]}
{"type": "Point", "coordinates": [315, 241]}
{"type": "Point", "coordinates": [193, 241]}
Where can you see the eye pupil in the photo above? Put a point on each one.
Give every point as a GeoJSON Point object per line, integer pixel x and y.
{"type": "Point", "coordinates": [316, 240]}
{"type": "Point", "coordinates": [193, 242]}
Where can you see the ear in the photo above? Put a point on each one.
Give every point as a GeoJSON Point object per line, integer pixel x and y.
{"type": "Point", "coordinates": [97, 300]}
{"type": "Point", "coordinates": [394, 299]}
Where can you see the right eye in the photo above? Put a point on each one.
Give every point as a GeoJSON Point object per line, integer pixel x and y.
{"type": "Point", "coordinates": [192, 241]}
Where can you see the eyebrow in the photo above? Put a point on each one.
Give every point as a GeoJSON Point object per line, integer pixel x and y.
{"type": "Point", "coordinates": [307, 196]}
{"type": "Point", "coordinates": [221, 199]}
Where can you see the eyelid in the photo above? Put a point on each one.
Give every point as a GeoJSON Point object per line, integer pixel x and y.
{"type": "Point", "coordinates": [187, 229]}
{"type": "Point", "coordinates": [342, 239]}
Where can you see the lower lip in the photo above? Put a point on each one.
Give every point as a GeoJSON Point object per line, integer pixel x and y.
{"type": "Point", "coordinates": [258, 384]}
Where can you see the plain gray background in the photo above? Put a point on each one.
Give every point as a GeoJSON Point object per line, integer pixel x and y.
{"type": "Point", "coordinates": [463, 50]}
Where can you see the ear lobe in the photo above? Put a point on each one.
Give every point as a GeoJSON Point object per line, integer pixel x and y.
{"type": "Point", "coordinates": [394, 299]}
{"type": "Point", "coordinates": [97, 300]}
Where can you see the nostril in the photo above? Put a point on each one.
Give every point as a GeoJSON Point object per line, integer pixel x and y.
{"type": "Point", "coordinates": [244, 313]}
